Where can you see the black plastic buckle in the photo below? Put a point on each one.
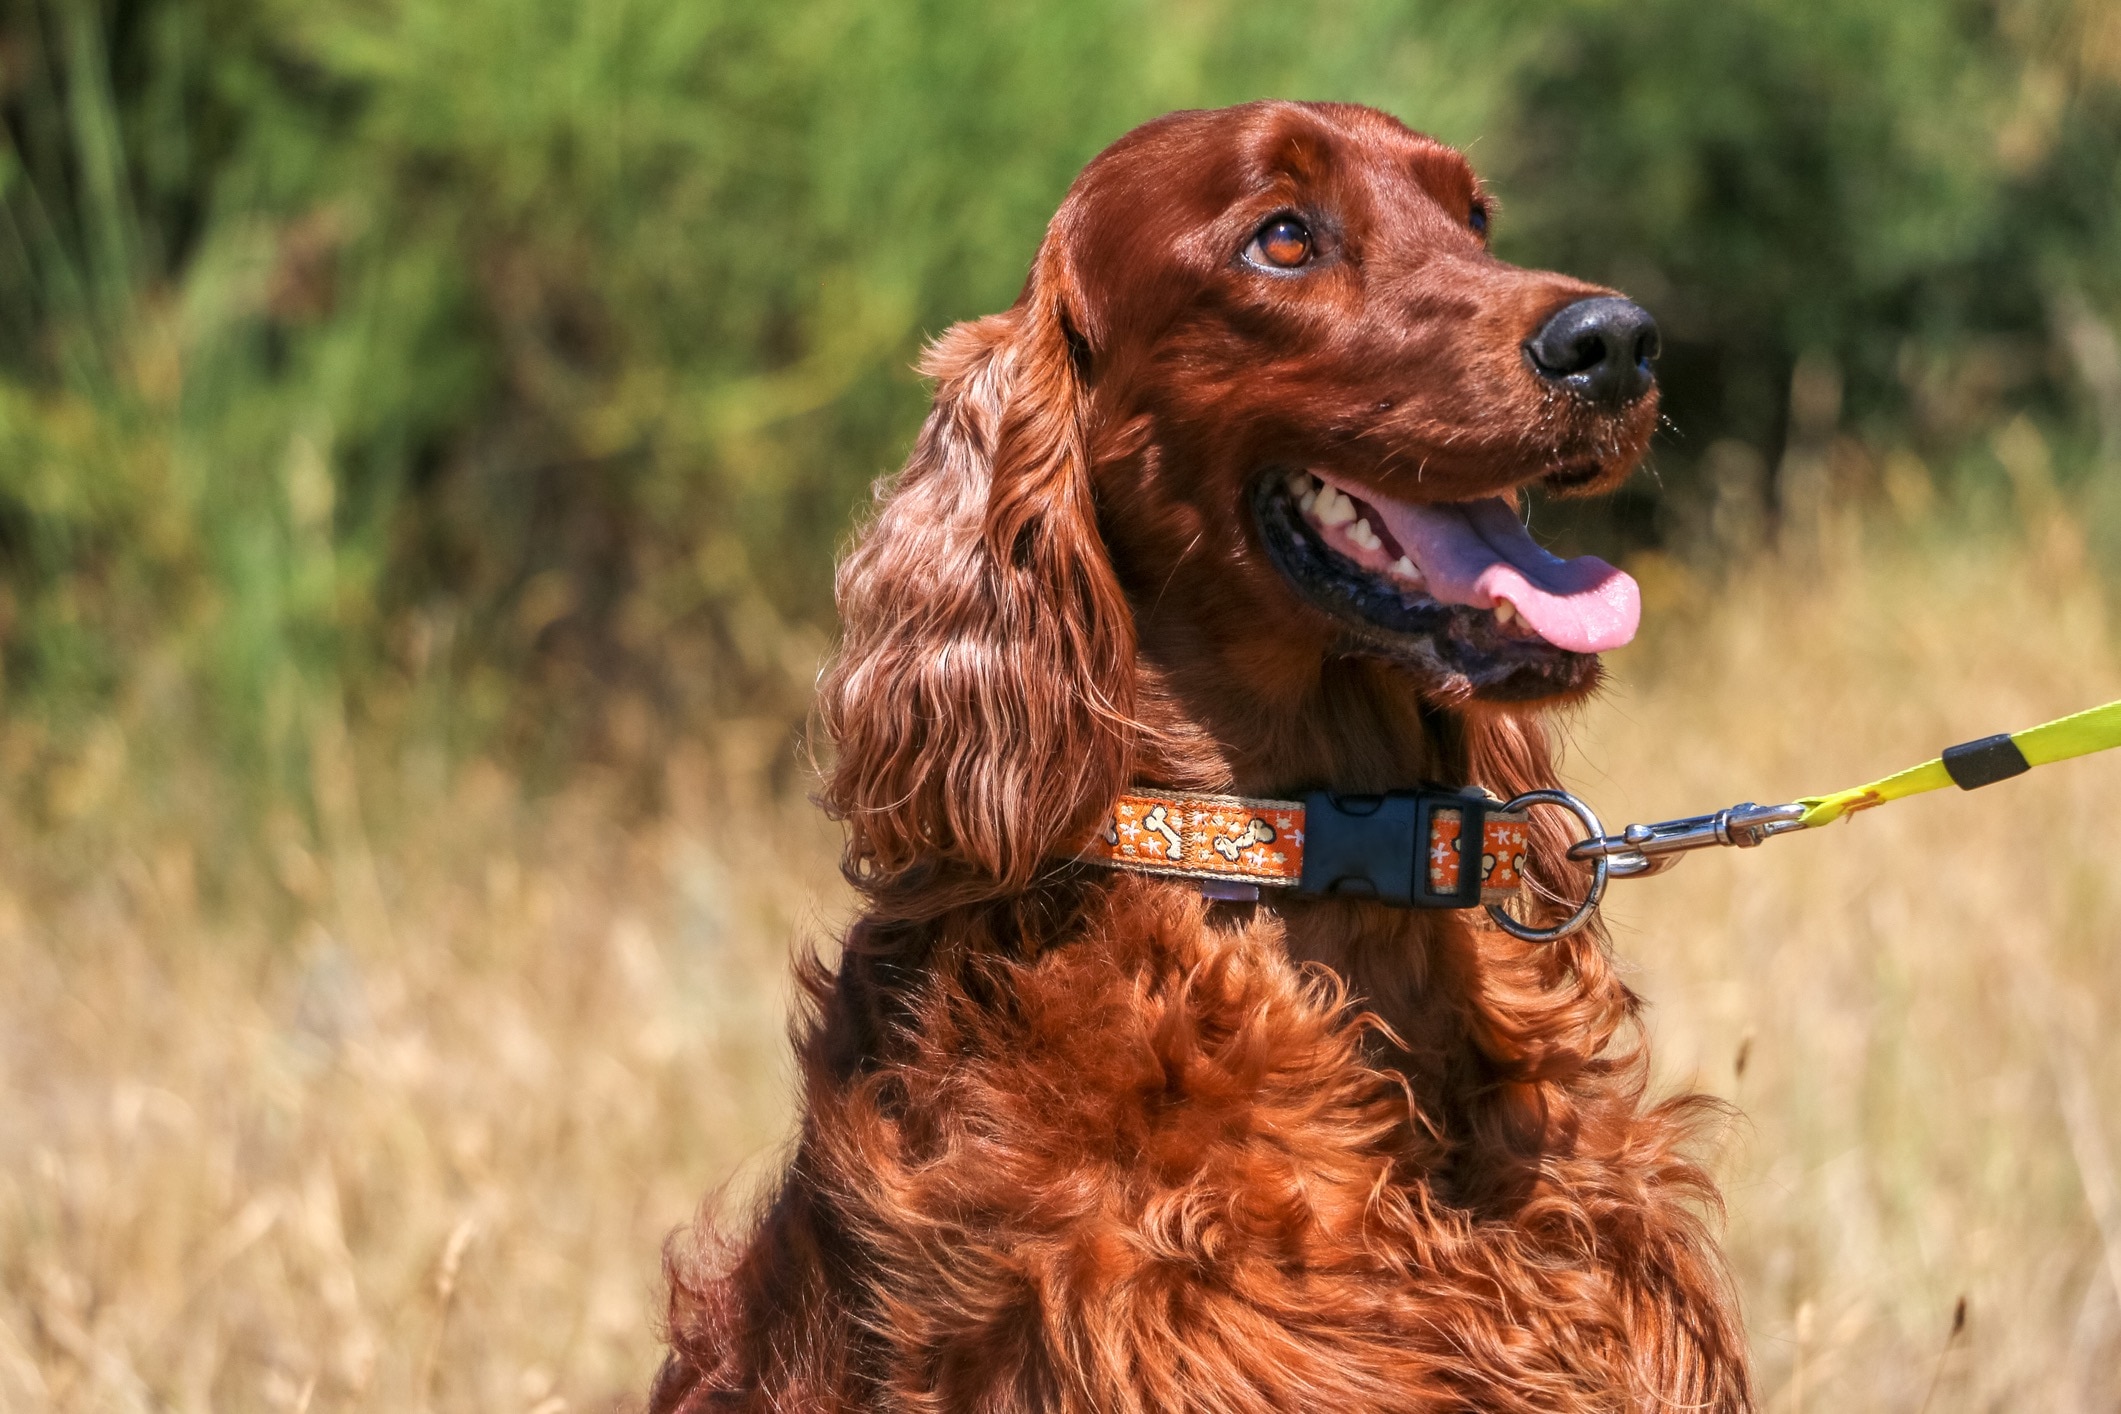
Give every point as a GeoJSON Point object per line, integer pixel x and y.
{"type": "Point", "coordinates": [1377, 846]}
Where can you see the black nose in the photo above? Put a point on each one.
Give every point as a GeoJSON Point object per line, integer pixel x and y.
{"type": "Point", "coordinates": [1599, 349]}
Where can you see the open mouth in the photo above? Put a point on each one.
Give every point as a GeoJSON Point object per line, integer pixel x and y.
{"type": "Point", "coordinates": [1458, 591]}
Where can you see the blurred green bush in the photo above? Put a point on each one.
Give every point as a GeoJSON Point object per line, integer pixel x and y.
{"type": "Point", "coordinates": [506, 371]}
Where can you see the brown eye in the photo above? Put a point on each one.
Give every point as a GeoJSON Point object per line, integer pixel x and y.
{"type": "Point", "coordinates": [1477, 218]}
{"type": "Point", "coordinates": [1283, 242]}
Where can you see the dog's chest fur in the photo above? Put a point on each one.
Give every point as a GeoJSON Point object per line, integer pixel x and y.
{"type": "Point", "coordinates": [1164, 1165]}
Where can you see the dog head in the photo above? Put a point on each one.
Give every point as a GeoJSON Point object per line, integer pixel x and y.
{"type": "Point", "coordinates": [1265, 403]}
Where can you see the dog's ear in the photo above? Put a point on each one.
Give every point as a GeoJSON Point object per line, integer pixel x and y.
{"type": "Point", "coordinates": [981, 706]}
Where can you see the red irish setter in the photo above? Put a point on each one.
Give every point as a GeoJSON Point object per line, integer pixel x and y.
{"type": "Point", "coordinates": [1225, 503]}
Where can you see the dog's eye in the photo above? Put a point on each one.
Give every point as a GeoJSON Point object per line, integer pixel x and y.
{"type": "Point", "coordinates": [1283, 243]}
{"type": "Point", "coordinates": [1477, 218]}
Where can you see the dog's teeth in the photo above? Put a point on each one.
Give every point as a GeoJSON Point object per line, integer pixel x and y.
{"type": "Point", "coordinates": [1307, 501]}
{"type": "Point", "coordinates": [1362, 535]}
{"type": "Point", "coordinates": [1404, 568]}
{"type": "Point", "coordinates": [1333, 507]}
{"type": "Point", "coordinates": [1298, 482]}
{"type": "Point", "coordinates": [1504, 611]}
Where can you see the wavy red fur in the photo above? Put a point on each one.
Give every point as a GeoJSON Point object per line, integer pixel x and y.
{"type": "Point", "coordinates": [1077, 1140]}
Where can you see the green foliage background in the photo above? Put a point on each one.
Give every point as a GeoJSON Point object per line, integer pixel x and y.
{"type": "Point", "coordinates": [503, 373]}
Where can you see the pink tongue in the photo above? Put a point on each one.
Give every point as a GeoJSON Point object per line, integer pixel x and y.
{"type": "Point", "coordinates": [1475, 552]}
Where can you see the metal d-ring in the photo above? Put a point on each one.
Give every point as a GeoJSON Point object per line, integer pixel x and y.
{"type": "Point", "coordinates": [1600, 868]}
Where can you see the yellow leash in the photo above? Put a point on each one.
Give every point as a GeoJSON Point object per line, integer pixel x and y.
{"type": "Point", "coordinates": [1641, 850]}
{"type": "Point", "coordinates": [1974, 764]}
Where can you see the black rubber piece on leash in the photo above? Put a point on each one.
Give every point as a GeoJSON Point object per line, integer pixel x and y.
{"type": "Point", "coordinates": [1974, 764]}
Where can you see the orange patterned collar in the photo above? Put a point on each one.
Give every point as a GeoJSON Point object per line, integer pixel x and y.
{"type": "Point", "coordinates": [1402, 847]}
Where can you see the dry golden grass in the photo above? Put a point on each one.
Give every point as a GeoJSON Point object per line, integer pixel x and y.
{"type": "Point", "coordinates": [404, 1129]}
{"type": "Point", "coordinates": [415, 1152]}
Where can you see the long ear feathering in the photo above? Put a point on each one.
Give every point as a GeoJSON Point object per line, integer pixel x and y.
{"type": "Point", "coordinates": [981, 705]}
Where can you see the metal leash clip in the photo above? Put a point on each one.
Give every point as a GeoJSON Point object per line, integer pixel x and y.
{"type": "Point", "coordinates": [1642, 850]}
